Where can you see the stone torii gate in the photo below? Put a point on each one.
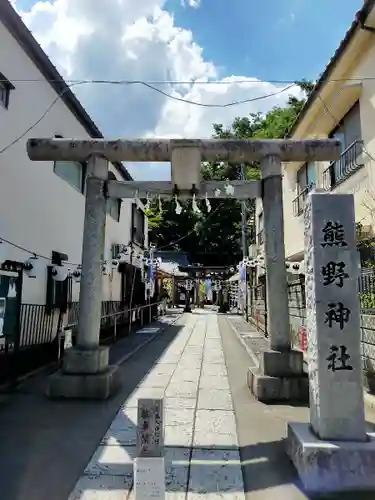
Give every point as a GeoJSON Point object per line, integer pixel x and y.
{"type": "Point", "coordinates": [86, 372]}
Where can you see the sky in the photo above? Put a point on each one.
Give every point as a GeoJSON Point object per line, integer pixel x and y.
{"type": "Point", "coordinates": [245, 48]}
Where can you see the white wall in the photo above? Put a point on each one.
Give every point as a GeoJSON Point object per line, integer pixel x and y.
{"type": "Point", "coordinates": [39, 210]}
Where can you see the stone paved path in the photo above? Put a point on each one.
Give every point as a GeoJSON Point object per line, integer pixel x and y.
{"type": "Point", "coordinates": [202, 451]}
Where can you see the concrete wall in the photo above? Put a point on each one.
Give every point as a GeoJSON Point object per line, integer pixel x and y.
{"type": "Point", "coordinates": [40, 211]}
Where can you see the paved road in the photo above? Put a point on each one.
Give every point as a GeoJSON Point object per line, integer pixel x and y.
{"type": "Point", "coordinates": [219, 439]}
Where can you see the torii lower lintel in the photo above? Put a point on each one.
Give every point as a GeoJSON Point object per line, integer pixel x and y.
{"type": "Point", "coordinates": [243, 190]}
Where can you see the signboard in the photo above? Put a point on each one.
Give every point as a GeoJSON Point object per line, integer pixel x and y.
{"type": "Point", "coordinates": [68, 339]}
{"type": "Point", "coordinates": [10, 304]}
{"type": "Point", "coordinates": [150, 428]}
{"type": "Point", "coordinates": [149, 478]}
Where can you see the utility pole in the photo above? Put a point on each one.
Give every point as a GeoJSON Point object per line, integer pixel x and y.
{"type": "Point", "coordinates": [244, 243]}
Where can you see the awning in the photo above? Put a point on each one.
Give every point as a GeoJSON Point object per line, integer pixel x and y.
{"type": "Point", "coordinates": [171, 268]}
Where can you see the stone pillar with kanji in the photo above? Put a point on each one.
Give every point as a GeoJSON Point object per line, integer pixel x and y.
{"type": "Point", "coordinates": [333, 321]}
{"type": "Point", "coordinates": [334, 452]}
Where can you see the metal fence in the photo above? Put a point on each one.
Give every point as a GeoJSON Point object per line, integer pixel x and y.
{"type": "Point", "coordinates": [37, 327]}
{"type": "Point", "coordinates": [41, 335]}
{"type": "Point", "coordinates": [257, 304]}
{"type": "Point", "coordinates": [366, 286]}
{"type": "Point", "coordinates": [297, 314]}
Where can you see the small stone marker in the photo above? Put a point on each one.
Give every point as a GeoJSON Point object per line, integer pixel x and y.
{"type": "Point", "coordinates": [150, 436]}
{"type": "Point", "coordinates": [149, 466]}
{"type": "Point", "coordinates": [334, 453]}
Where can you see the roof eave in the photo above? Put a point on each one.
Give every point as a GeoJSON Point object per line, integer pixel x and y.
{"type": "Point", "coordinates": [357, 24]}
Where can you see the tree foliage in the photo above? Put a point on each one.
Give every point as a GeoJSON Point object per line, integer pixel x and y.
{"type": "Point", "coordinates": [215, 238]}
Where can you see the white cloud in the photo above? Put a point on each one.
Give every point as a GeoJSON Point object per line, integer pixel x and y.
{"type": "Point", "coordinates": [191, 3]}
{"type": "Point", "coordinates": [139, 40]}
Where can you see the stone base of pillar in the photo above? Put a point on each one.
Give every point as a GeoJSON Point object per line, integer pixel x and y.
{"type": "Point", "coordinates": [326, 467]}
{"type": "Point", "coordinates": [84, 375]}
{"type": "Point", "coordinates": [280, 377]}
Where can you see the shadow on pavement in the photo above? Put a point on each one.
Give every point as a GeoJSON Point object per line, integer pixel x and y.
{"type": "Point", "coordinates": [264, 466]}
{"type": "Point", "coordinates": [261, 432]}
{"type": "Point", "coordinates": [45, 445]}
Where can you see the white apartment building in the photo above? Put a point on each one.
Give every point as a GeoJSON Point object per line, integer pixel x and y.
{"type": "Point", "coordinates": [42, 203]}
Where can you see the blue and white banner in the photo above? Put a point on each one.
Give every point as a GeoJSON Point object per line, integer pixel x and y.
{"type": "Point", "coordinates": [208, 284]}
{"type": "Point", "coordinates": [242, 272]}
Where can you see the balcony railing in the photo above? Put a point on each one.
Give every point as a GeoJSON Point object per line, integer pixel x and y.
{"type": "Point", "coordinates": [350, 162]}
{"type": "Point", "coordinates": [299, 202]}
{"type": "Point", "coordinates": [260, 237]}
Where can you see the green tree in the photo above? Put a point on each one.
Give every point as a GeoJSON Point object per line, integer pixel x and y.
{"type": "Point", "coordinates": [216, 236]}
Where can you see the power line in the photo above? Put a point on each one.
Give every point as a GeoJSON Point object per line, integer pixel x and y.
{"type": "Point", "coordinates": [18, 138]}
{"type": "Point", "coordinates": [192, 231]}
{"type": "Point", "coordinates": [227, 105]}
{"type": "Point", "coordinates": [185, 82]}
{"type": "Point", "coordinates": [41, 256]}
{"type": "Point", "coordinates": [169, 96]}
{"type": "Point", "coordinates": [82, 82]}
{"type": "Point", "coordinates": [23, 249]}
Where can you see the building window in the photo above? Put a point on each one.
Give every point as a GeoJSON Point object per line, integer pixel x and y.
{"type": "Point", "coordinates": [72, 172]}
{"type": "Point", "coordinates": [306, 180]}
{"type": "Point", "coordinates": [113, 208]}
{"type": "Point", "coordinates": [102, 242]}
{"type": "Point", "coordinates": [113, 204]}
{"type": "Point", "coordinates": [138, 225]}
{"type": "Point", "coordinates": [348, 130]}
{"type": "Point", "coordinates": [306, 177]}
{"type": "Point", "coordinates": [349, 133]}
{"type": "Point", "coordinates": [260, 235]}
{"type": "Point", "coordinates": [5, 88]}
{"type": "Point", "coordinates": [260, 221]}
{"type": "Point", "coordinates": [4, 95]}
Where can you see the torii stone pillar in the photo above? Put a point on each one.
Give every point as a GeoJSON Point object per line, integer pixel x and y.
{"type": "Point", "coordinates": [86, 372]}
